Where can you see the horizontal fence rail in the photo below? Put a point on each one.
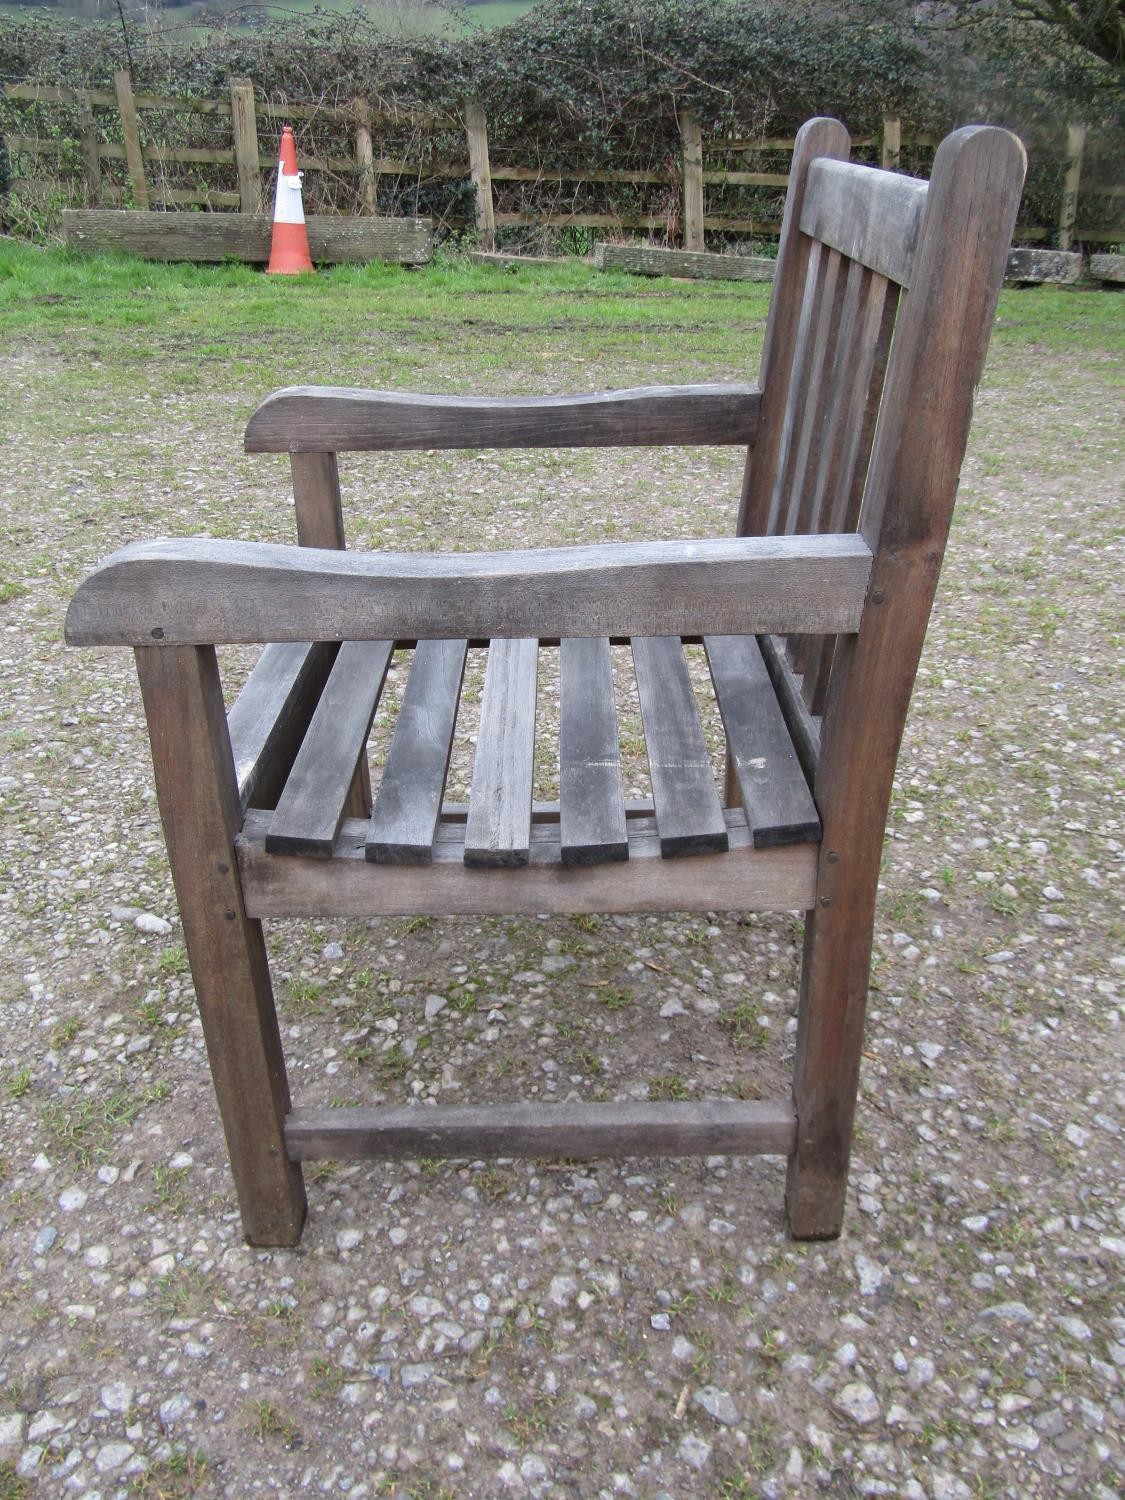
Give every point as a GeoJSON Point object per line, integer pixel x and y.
{"type": "Point", "coordinates": [134, 168]}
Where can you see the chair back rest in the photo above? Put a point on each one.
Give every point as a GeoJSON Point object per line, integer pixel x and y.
{"type": "Point", "coordinates": [883, 303]}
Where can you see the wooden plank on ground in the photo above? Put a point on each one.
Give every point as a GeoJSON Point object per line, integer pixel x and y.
{"type": "Point", "coordinates": [775, 794]}
{"type": "Point", "coordinates": [591, 792]}
{"type": "Point", "coordinates": [689, 814]}
{"type": "Point", "coordinates": [270, 716]}
{"type": "Point", "coordinates": [408, 803]}
{"type": "Point", "coordinates": [498, 830]}
{"type": "Point", "coordinates": [703, 1127]}
{"type": "Point", "coordinates": [311, 808]}
{"type": "Point", "coordinates": [653, 260]}
{"type": "Point", "coordinates": [205, 237]}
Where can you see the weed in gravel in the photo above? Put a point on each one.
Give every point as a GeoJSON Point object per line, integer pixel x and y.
{"type": "Point", "coordinates": [87, 1125]}
{"type": "Point", "coordinates": [177, 1477]}
{"type": "Point", "coordinates": [12, 1487]}
{"type": "Point", "coordinates": [64, 1032]}
{"type": "Point", "coordinates": [18, 1083]}
{"type": "Point", "coordinates": [267, 1420]}
{"type": "Point", "coordinates": [170, 1187]}
{"type": "Point", "coordinates": [744, 1027]}
{"type": "Point", "coordinates": [614, 999]}
{"type": "Point", "coordinates": [326, 1379]}
{"type": "Point", "coordinates": [494, 1183]}
{"type": "Point", "coordinates": [173, 960]}
{"type": "Point", "coordinates": [667, 1086]}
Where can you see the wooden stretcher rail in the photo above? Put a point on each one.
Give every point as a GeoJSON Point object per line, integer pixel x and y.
{"type": "Point", "coordinates": [198, 592]}
{"type": "Point", "coordinates": [753, 1127]}
{"type": "Point", "coordinates": [339, 419]}
{"type": "Point", "coordinates": [348, 885]}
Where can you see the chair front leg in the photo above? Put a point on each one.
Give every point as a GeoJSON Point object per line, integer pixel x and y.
{"type": "Point", "coordinates": [198, 798]}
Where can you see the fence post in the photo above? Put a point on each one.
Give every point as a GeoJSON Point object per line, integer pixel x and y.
{"type": "Point", "coordinates": [693, 180]}
{"type": "Point", "coordinates": [1075, 146]}
{"type": "Point", "coordinates": [892, 142]}
{"type": "Point", "coordinates": [91, 161]}
{"type": "Point", "coordinates": [244, 125]}
{"type": "Point", "coordinates": [365, 157]}
{"type": "Point", "coordinates": [130, 127]}
{"type": "Point", "coordinates": [477, 134]}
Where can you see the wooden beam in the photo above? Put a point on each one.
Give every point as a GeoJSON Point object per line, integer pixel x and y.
{"type": "Point", "coordinates": [364, 155]}
{"type": "Point", "coordinates": [891, 153]}
{"type": "Point", "coordinates": [1068, 212]}
{"type": "Point", "coordinates": [337, 419]}
{"type": "Point", "coordinates": [244, 125]}
{"type": "Point", "coordinates": [693, 180]}
{"type": "Point", "coordinates": [206, 237]}
{"type": "Point", "coordinates": [753, 1127]}
{"type": "Point", "coordinates": [91, 161]}
{"type": "Point", "coordinates": [349, 885]}
{"type": "Point", "coordinates": [132, 132]}
{"type": "Point", "coordinates": [655, 260]}
{"type": "Point", "coordinates": [476, 132]}
{"type": "Point", "coordinates": [198, 591]}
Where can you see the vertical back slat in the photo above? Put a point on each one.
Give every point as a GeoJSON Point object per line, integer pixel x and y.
{"type": "Point", "coordinates": [812, 396]}
{"type": "Point", "coordinates": [816, 138]}
{"type": "Point", "coordinates": [498, 829]}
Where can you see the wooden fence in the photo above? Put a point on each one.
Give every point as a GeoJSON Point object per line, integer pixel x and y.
{"type": "Point", "coordinates": [136, 171]}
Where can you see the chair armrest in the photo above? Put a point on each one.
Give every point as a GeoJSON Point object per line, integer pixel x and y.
{"type": "Point", "coordinates": [336, 419]}
{"type": "Point", "coordinates": [204, 592]}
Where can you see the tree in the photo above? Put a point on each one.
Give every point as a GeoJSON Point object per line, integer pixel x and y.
{"type": "Point", "coordinates": [1093, 26]}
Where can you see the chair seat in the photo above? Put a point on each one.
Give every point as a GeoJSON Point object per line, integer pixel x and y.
{"type": "Point", "coordinates": [501, 827]}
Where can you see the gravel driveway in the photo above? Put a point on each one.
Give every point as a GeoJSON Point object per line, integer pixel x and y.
{"type": "Point", "coordinates": [644, 1328]}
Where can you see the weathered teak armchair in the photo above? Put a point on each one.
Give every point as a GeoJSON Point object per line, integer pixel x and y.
{"type": "Point", "coordinates": [812, 617]}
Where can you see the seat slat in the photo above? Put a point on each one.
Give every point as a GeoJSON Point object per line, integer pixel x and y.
{"type": "Point", "coordinates": [498, 829]}
{"type": "Point", "coordinates": [688, 812]}
{"type": "Point", "coordinates": [775, 794]}
{"type": "Point", "coordinates": [311, 807]}
{"type": "Point", "coordinates": [270, 715]}
{"type": "Point", "coordinates": [873, 217]}
{"type": "Point", "coordinates": [591, 792]}
{"type": "Point", "coordinates": [408, 802]}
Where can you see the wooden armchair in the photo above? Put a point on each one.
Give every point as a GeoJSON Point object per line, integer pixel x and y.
{"type": "Point", "coordinates": [812, 617]}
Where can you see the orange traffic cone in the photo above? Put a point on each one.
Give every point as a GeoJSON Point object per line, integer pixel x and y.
{"type": "Point", "coordinates": [289, 249]}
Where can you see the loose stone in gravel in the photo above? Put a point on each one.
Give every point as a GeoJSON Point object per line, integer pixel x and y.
{"type": "Point", "coordinates": [71, 1199]}
{"type": "Point", "coordinates": [857, 1402]}
{"type": "Point", "coordinates": [44, 1239]}
{"type": "Point", "coordinates": [111, 1456]}
{"type": "Point", "coordinates": [694, 1451]}
{"type": "Point", "coordinates": [147, 921]}
{"type": "Point", "coordinates": [348, 1239]}
{"type": "Point", "coordinates": [11, 1430]}
{"type": "Point", "coordinates": [174, 1409]}
{"type": "Point", "coordinates": [718, 1404]}
{"type": "Point", "coordinates": [117, 1397]}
